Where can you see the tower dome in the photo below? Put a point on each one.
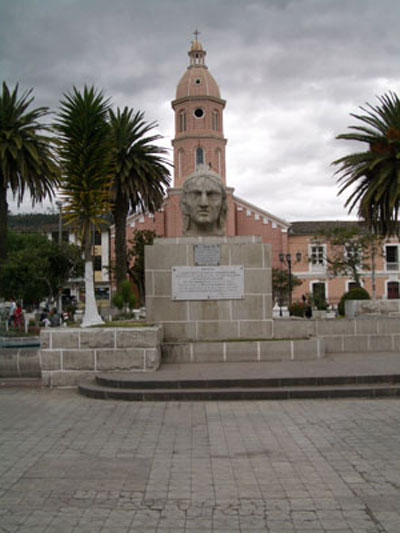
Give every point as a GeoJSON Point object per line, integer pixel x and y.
{"type": "Point", "coordinates": [197, 80]}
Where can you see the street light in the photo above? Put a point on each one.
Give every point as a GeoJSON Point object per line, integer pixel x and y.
{"type": "Point", "coordinates": [59, 205]}
{"type": "Point", "coordinates": [287, 259]}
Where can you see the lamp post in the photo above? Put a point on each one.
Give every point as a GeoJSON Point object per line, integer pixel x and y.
{"type": "Point", "coordinates": [286, 259]}
{"type": "Point", "coordinates": [59, 205]}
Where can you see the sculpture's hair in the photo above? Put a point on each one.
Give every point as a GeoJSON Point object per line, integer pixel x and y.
{"type": "Point", "coordinates": [185, 208]}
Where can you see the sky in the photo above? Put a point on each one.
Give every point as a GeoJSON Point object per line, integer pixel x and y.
{"type": "Point", "coordinates": [291, 71]}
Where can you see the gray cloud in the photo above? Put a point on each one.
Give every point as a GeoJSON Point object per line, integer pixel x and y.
{"type": "Point", "coordinates": [291, 71]}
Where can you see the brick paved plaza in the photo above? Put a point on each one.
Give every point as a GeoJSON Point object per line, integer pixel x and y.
{"type": "Point", "coordinates": [69, 463]}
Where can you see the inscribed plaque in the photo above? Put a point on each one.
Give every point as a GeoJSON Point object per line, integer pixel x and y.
{"type": "Point", "coordinates": [207, 254]}
{"type": "Point", "coordinates": [208, 282]}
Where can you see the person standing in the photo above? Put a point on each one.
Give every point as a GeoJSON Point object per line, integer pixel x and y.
{"type": "Point", "coordinates": [11, 311]}
{"type": "Point", "coordinates": [18, 316]}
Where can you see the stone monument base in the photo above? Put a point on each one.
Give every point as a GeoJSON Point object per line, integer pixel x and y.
{"type": "Point", "coordinates": [249, 351]}
{"type": "Point", "coordinates": [234, 303]}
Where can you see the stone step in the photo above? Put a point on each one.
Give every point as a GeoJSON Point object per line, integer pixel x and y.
{"type": "Point", "coordinates": [174, 391]}
{"type": "Point", "coordinates": [127, 380]}
{"type": "Point", "coordinates": [16, 382]}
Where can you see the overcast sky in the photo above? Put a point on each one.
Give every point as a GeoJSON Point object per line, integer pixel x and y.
{"type": "Point", "coordinates": [291, 71]}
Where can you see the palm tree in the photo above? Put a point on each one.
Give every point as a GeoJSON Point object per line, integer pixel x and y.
{"type": "Point", "coordinates": [86, 160]}
{"type": "Point", "coordinates": [26, 158]}
{"type": "Point", "coordinates": [141, 174]}
{"type": "Point", "coordinates": [373, 176]}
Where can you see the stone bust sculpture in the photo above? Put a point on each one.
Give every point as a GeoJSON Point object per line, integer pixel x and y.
{"type": "Point", "coordinates": [203, 204]}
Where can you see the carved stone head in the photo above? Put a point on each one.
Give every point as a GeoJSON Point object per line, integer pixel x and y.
{"type": "Point", "coordinates": [203, 204]}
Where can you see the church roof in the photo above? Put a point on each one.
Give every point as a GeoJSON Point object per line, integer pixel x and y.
{"type": "Point", "coordinates": [313, 227]}
{"type": "Point", "coordinates": [257, 211]}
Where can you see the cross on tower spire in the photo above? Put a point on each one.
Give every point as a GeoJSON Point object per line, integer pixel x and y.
{"type": "Point", "coordinates": [196, 33]}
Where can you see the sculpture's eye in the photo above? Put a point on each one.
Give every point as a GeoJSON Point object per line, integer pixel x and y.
{"type": "Point", "coordinates": [213, 195]}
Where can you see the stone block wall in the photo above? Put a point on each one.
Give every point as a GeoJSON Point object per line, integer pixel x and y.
{"type": "Point", "coordinates": [191, 320]}
{"type": "Point", "coordinates": [362, 334]}
{"type": "Point", "coordinates": [354, 308]}
{"type": "Point", "coordinates": [68, 355]}
{"type": "Point", "coordinates": [243, 351]}
{"type": "Point", "coordinates": [19, 362]}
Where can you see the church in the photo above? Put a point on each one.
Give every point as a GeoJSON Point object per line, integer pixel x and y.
{"type": "Point", "coordinates": [200, 141]}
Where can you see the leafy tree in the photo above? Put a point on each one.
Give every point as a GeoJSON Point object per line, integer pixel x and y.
{"type": "Point", "coordinates": [86, 160]}
{"type": "Point", "coordinates": [36, 268]}
{"type": "Point", "coordinates": [280, 284]}
{"type": "Point", "coordinates": [140, 176]}
{"type": "Point", "coordinates": [350, 250]}
{"type": "Point", "coordinates": [141, 238]}
{"type": "Point", "coordinates": [26, 158]}
{"type": "Point", "coordinates": [373, 176]}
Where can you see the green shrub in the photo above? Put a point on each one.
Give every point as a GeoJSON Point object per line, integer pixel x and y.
{"type": "Point", "coordinates": [297, 309]}
{"type": "Point", "coordinates": [354, 294]}
{"type": "Point", "coordinates": [124, 297]}
{"type": "Point", "coordinates": [118, 301]}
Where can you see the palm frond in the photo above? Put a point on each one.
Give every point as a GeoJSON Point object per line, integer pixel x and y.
{"type": "Point", "coordinates": [27, 161]}
{"type": "Point", "coordinates": [372, 177]}
{"type": "Point", "coordinates": [85, 152]}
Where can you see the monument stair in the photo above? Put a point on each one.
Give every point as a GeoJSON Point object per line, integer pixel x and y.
{"type": "Point", "coordinates": [134, 387]}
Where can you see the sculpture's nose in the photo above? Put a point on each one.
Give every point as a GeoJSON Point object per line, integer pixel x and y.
{"type": "Point", "coordinates": [204, 198]}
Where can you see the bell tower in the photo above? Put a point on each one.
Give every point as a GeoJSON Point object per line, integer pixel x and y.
{"type": "Point", "coordinates": [198, 106]}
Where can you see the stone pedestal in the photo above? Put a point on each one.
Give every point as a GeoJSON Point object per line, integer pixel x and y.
{"type": "Point", "coordinates": [245, 316]}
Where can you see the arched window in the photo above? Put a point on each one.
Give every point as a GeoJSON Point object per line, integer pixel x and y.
{"type": "Point", "coordinates": [215, 120]}
{"type": "Point", "coordinates": [219, 160]}
{"type": "Point", "coordinates": [180, 158]}
{"type": "Point", "coordinates": [199, 156]}
{"type": "Point", "coordinates": [182, 121]}
{"type": "Point", "coordinates": [393, 290]}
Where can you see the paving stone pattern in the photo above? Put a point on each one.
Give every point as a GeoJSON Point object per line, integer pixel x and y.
{"type": "Point", "coordinates": [68, 463]}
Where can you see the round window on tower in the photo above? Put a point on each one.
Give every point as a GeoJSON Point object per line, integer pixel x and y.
{"type": "Point", "coordinates": [199, 112]}
{"type": "Point", "coordinates": [197, 81]}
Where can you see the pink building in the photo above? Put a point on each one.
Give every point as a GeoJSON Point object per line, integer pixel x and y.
{"type": "Point", "coordinates": [199, 140]}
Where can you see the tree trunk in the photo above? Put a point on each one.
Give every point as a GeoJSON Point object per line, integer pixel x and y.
{"type": "Point", "coordinates": [91, 315]}
{"type": "Point", "coordinates": [3, 220]}
{"type": "Point", "coordinates": [356, 277]}
{"type": "Point", "coordinates": [120, 214]}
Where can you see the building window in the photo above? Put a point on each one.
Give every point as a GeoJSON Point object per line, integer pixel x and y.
{"type": "Point", "coordinates": [393, 290]}
{"type": "Point", "coordinates": [199, 156]}
{"type": "Point", "coordinates": [97, 238]}
{"type": "Point", "coordinates": [180, 155]}
{"type": "Point", "coordinates": [182, 121]}
{"type": "Point", "coordinates": [353, 253]}
{"type": "Point", "coordinates": [317, 255]}
{"type": "Point", "coordinates": [199, 112]}
{"type": "Point", "coordinates": [219, 161]}
{"type": "Point", "coordinates": [102, 293]}
{"type": "Point", "coordinates": [351, 285]}
{"type": "Point", "coordinates": [215, 120]}
{"type": "Point", "coordinates": [392, 258]}
{"type": "Point", "coordinates": [318, 290]}
{"type": "Point", "coordinates": [97, 263]}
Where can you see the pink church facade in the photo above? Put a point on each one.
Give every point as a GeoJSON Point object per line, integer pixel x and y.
{"type": "Point", "coordinates": [199, 140]}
